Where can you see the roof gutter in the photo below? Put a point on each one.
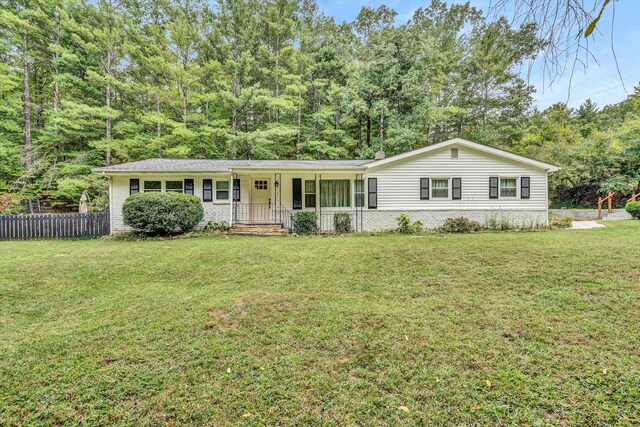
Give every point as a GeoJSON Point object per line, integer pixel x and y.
{"type": "Point", "coordinates": [228, 170]}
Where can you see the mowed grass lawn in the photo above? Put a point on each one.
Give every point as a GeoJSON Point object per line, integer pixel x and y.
{"type": "Point", "coordinates": [536, 328]}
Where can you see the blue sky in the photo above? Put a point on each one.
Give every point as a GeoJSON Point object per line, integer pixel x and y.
{"type": "Point", "coordinates": [600, 82]}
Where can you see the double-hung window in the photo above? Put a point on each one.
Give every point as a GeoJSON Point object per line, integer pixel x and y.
{"type": "Point", "coordinates": [309, 193]}
{"type": "Point", "coordinates": [222, 190]}
{"type": "Point", "coordinates": [152, 186]}
{"type": "Point", "coordinates": [173, 186]}
{"type": "Point", "coordinates": [508, 187]}
{"type": "Point", "coordinates": [439, 188]}
{"type": "Point", "coordinates": [335, 193]}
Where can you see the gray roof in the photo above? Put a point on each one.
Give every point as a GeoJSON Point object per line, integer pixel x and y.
{"type": "Point", "coordinates": [201, 165]}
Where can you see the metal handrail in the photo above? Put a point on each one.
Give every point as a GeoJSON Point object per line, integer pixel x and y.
{"type": "Point", "coordinates": [286, 218]}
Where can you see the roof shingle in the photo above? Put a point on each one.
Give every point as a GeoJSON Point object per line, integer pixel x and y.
{"type": "Point", "coordinates": [201, 165]}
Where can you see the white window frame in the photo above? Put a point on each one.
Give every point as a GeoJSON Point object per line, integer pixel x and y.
{"type": "Point", "coordinates": [166, 190]}
{"type": "Point", "coordinates": [304, 193]}
{"type": "Point", "coordinates": [433, 187]}
{"type": "Point", "coordinates": [228, 190]}
{"type": "Point", "coordinates": [144, 182]}
{"type": "Point", "coordinates": [515, 196]}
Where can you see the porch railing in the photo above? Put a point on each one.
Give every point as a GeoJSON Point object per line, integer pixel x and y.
{"type": "Point", "coordinates": [262, 213]}
{"type": "Point", "coordinates": [270, 213]}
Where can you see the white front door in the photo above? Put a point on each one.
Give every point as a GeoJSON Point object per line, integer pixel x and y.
{"type": "Point", "coordinates": [261, 206]}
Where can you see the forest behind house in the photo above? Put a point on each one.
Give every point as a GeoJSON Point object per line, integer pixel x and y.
{"type": "Point", "coordinates": [92, 83]}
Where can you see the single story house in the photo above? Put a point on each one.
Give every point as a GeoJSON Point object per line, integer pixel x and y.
{"type": "Point", "coordinates": [450, 179]}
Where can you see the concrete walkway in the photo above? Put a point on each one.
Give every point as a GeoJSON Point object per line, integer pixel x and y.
{"type": "Point", "coordinates": [585, 225]}
{"type": "Point", "coordinates": [616, 214]}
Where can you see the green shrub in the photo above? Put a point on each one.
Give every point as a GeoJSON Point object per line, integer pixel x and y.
{"type": "Point", "coordinates": [342, 222]}
{"type": "Point", "coordinates": [162, 213]}
{"type": "Point", "coordinates": [459, 225]}
{"type": "Point", "coordinates": [405, 226]}
{"type": "Point", "coordinates": [633, 208]}
{"type": "Point", "coordinates": [498, 223]}
{"type": "Point", "coordinates": [556, 221]}
{"type": "Point", "coordinates": [219, 227]}
{"type": "Point", "coordinates": [305, 222]}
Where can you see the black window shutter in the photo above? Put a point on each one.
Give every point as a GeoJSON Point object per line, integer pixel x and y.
{"type": "Point", "coordinates": [188, 186]}
{"type": "Point", "coordinates": [207, 190]}
{"type": "Point", "coordinates": [134, 186]}
{"type": "Point", "coordinates": [456, 188]}
{"type": "Point", "coordinates": [297, 193]}
{"type": "Point", "coordinates": [424, 188]}
{"type": "Point", "coordinates": [525, 187]}
{"type": "Point", "coordinates": [493, 187]}
{"type": "Point", "coordinates": [236, 190]}
{"type": "Point", "coordinates": [373, 193]}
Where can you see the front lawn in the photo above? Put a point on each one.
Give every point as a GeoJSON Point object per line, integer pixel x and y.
{"type": "Point", "coordinates": [530, 328]}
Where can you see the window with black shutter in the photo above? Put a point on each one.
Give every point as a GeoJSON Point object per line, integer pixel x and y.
{"type": "Point", "coordinates": [424, 188]}
{"type": "Point", "coordinates": [236, 190]}
{"type": "Point", "coordinates": [493, 187]}
{"type": "Point", "coordinates": [207, 190]}
{"type": "Point", "coordinates": [525, 187]}
{"type": "Point", "coordinates": [297, 193]}
{"type": "Point", "coordinates": [188, 186]}
{"type": "Point", "coordinates": [373, 193]}
{"type": "Point", "coordinates": [456, 188]}
{"type": "Point", "coordinates": [134, 186]}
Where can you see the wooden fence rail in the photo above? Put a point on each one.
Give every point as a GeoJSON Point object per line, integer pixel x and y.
{"type": "Point", "coordinates": [54, 226]}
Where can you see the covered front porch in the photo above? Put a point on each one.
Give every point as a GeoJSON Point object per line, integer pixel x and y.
{"type": "Point", "coordinates": [272, 198]}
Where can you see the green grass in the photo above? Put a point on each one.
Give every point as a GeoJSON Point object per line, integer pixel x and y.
{"type": "Point", "coordinates": [537, 328]}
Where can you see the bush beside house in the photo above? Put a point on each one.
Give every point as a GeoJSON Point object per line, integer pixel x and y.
{"type": "Point", "coordinates": [162, 213]}
{"type": "Point", "coordinates": [460, 225]}
{"type": "Point", "coordinates": [305, 223]}
{"type": "Point", "coordinates": [342, 222]}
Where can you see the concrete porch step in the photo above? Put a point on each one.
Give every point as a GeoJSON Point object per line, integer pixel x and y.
{"type": "Point", "coordinates": [258, 230]}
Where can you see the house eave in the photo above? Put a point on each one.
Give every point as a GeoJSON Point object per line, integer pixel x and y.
{"type": "Point", "coordinates": [108, 172]}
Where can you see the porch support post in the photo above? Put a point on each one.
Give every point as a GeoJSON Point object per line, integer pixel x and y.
{"type": "Point", "coordinates": [320, 201]}
{"type": "Point", "coordinates": [230, 198]}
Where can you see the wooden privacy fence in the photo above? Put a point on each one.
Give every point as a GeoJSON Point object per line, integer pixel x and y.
{"type": "Point", "coordinates": [54, 226]}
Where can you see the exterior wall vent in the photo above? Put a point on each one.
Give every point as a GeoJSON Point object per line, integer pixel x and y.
{"type": "Point", "coordinates": [454, 153]}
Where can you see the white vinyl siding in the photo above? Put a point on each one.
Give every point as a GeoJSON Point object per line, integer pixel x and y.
{"type": "Point", "coordinates": [399, 182]}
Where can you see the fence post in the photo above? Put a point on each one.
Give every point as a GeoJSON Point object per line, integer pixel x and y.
{"type": "Point", "coordinates": [609, 201]}
{"type": "Point", "coordinates": [599, 207]}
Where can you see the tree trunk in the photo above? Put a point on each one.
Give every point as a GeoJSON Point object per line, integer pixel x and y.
{"type": "Point", "coordinates": [277, 77]}
{"type": "Point", "coordinates": [28, 160]}
{"type": "Point", "coordinates": [368, 129]}
{"type": "Point", "coordinates": [108, 121]}
{"type": "Point", "coordinates": [299, 124]}
{"type": "Point", "coordinates": [382, 125]}
{"type": "Point", "coordinates": [184, 103]}
{"type": "Point", "coordinates": [158, 124]}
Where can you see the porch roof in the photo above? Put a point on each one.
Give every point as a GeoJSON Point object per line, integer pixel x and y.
{"type": "Point", "coordinates": [202, 165]}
